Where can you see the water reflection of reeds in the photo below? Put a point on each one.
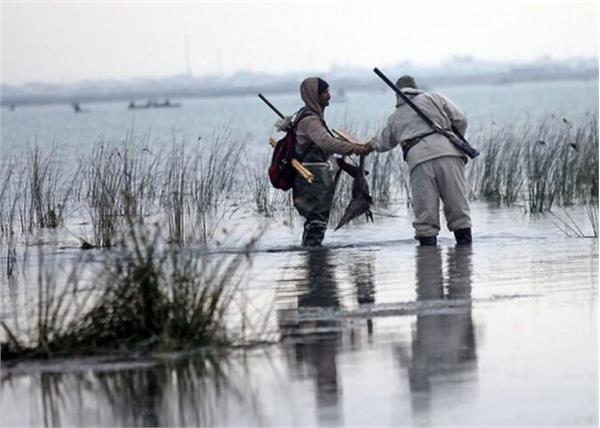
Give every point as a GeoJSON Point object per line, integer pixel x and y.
{"type": "Point", "coordinates": [177, 390]}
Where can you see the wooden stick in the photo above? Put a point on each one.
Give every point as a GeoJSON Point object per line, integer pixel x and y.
{"type": "Point", "coordinates": [346, 136]}
{"type": "Point", "coordinates": [302, 170]}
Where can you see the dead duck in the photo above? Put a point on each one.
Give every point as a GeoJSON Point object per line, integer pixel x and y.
{"type": "Point", "coordinates": [361, 197]}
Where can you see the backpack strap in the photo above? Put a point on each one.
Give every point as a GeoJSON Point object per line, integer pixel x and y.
{"type": "Point", "coordinates": [308, 150]}
{"type": "Point", "coordinates": [301, 114]}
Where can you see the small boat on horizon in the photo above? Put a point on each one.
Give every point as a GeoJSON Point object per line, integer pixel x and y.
{"type": "Point", "coordinates": [153, 104]}
{"type": "Point", "coordinates": [78, 109]}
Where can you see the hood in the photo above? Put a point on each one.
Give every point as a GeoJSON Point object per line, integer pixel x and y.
{"type": "Point", "coordinates": [410, 93]}
{"type": "Point", "coordinates": [309, 92]}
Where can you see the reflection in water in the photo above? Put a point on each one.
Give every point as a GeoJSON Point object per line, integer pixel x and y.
{"type": "Point", "coordinates": [443, 340]}
{"type": "Point", "coordinates": [319, 340]}
{"type": "Point", "coordinates": [362, 272]}
{"type": "Point", "coordinates": [190, 391]}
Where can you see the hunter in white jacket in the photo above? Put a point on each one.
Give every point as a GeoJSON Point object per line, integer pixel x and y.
{"type": "Point", "coordinates": [437, 167]}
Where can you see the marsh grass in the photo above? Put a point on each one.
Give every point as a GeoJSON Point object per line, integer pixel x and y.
{"type": "Point", "coordinates": [497, 175]}
{"type": "Point", "coordinates": [191, 190]}
{"type": "Point", "coordinates": [119, 184]}
{"type": "Point", "coordinates": [144, 295]}
{"type": "Point", "coordinates": [34, 192]}
{"type": "Point", "coordinates": [544, 164]}
{"type": "Point", "coordinates": [388, 177]}
{"type": "Point", "coordinates": [216, 173]}
{"type": "Point", "coordinates": [267, 200]}
{"type": "Point", "coordinates": [173, 199]}
{"type": "Point", "coordinates": [38, 329]}
{"type": "Point", "coordinates": [570, 227]}
{"type": "Point", "coordinates": [201, 186]}
{"type": "Point", "coordinates": [7, 201]}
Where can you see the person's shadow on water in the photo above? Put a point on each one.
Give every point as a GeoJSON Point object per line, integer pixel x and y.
{"type": "Point", "coordinates": [443, 339]}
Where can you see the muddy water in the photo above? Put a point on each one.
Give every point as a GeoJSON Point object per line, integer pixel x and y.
{"type": "Point", "coordinates": [374, 331]}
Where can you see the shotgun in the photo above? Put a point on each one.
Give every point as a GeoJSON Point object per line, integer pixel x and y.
{"type": "Point", "coordinates": [302, 170]}
{"type": "Point", "coordinates": [454, 137]}
{"type": "Point", "coordinates": [342, 135]}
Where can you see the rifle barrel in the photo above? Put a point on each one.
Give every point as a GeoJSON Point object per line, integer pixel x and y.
{"type": "Point", "coordinates": [407, 100]}
{"type": "Point", "coordinates": [267, 102]}
{"type": "Point", "coordinates": [458, 140]}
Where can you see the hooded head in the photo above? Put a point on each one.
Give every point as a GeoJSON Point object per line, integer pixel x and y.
{"type": "Point", "coordinates": [312, 91]}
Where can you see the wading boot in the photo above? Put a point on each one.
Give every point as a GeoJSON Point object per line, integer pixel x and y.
{"type": "Point", "coordinates": [314, 232]}
{"type": "Point", "coordinates": [463, 236]}
{"type": "Point", "coordinates": [427, 240]}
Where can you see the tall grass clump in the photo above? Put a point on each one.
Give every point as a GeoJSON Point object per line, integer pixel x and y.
{"type": "Point", "coordinates": [388, 177]}
{"type": "Point", "coordinates": [120, 183]}
{"type": "Point", "coordinates": [497, 176]}
{"type": "Point", "coordinates": [35, 190]}
{"type": "Point", "coordinates": [201, 185]}
{"type": "Point", "coordinates": [173, 197]}
{"type": "Point", "coordinates": [266, 200]}
{"type": "Point", "coordinates": [216, 173]}
{"type": "Point", "coordinates": [145, 295]}
{"type": "Point", "coordinates": [552, 162]}
{"type": "Point", "coordinates": [8, 199]}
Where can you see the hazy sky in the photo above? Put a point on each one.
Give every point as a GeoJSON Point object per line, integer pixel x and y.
{"type": "Point", "coordinates": [64, 42]}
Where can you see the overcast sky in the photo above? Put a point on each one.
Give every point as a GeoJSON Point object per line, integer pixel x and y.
{"type": "Point", "coordinates": [64, 42]}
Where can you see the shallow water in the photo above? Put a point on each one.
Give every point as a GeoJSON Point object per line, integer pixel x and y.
{"type": "Point", "coordinates": [374, 331]}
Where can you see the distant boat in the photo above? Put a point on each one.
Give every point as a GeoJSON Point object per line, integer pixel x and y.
{"type": "Point", "coordinates": [78, 109]}
{"type": "Point", "coordinates": [133, 106]}
{"type": "Point", "coordinates": [166, 104]}
{"type": "Point", "coordinates": [153, 104]}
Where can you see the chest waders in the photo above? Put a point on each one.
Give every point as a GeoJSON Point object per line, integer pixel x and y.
{"type": "Point", "coordinates": [313, 200]}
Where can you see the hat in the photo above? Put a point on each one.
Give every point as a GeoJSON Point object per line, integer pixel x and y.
{"type": "Point", "coordinates": [323, 85]}
{"type": "Point", "coordinates": [406, 81]}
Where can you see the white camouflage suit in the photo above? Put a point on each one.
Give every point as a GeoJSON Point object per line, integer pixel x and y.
{"type": "Point", "coordinates": [437, 167]}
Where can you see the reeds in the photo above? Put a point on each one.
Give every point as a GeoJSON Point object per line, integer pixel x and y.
{"type": "Point", "coordinates": [119, 183]}
{"type": "Point", "coordinates": [553, 162]}
{"type": "Point", "coordinates": [192, 189]}
{"type": "Point", "coordinates": [144, 295]}
{"type": "Point", "coordinates": [266, 199]}
{"type": "Point", "coordinates": [201, 186]}
{"type": "Point", "coordinates": [388, 177]}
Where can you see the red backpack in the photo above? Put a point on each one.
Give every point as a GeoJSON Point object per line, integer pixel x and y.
{"type": "Point", "coordinates": [281, 172]}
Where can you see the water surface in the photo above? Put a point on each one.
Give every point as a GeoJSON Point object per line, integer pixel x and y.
{"type": "Point", "coordinates": [373, 331]}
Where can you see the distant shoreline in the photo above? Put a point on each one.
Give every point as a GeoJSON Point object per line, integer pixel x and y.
{"type": "Point", "coordinates": [19, 97]}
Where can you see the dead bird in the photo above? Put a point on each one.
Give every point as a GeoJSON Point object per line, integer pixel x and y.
{"type": "Point", "coordinates": [361, 198]}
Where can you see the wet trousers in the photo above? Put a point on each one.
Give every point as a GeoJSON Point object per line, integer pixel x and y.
{"type": "Point", "coordinates": [440, 178]}
{"type": "Point", "coordinates": [313, 202]}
